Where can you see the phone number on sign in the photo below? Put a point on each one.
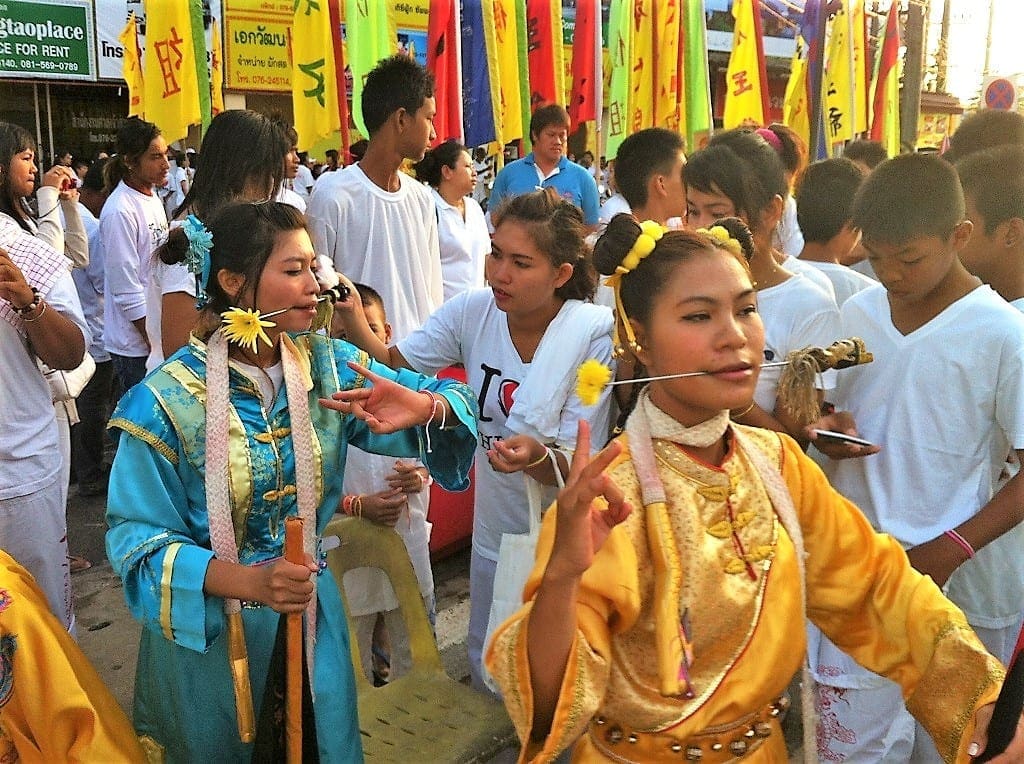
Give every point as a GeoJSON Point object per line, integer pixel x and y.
{"type": "Point", "coordinates": [25, 65]}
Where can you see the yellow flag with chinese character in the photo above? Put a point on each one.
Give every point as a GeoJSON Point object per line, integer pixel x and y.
{"type": "Point", "coordinates": [131, 68]}
{"type": "Point", "coordinates": [501, 38]}
{"type": "Point", "coordinates": [314, 75]}
{"type": "Point", "coordinates": [839, 106]}
{"type": "Point", "coordinates": [641, 67]}
{"type": "Point", "coordinates": [667, 64]}
{"type": "Point", "coordinates": [795, 112]}
{"type": "Point", "coordinates": [860, 72]}
{"type": "Point", "coordinates": [558, 52]}
{"type": "Point", "coordinates": [216, 71]}
{"type": "Point", "coordinates": [744, 89]}
{"type": "Point", "coordinates": [171, 84]}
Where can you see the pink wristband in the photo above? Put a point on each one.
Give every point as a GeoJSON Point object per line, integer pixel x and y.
{"type": "Point", "coordinates": [961, 542]}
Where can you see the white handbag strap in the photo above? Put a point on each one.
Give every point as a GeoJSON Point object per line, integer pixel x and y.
{"type": "Point", "coordinates": [533, 492]}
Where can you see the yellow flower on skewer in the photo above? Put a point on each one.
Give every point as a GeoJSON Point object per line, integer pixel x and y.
{"type": "Point", "coordinates": [246, 327]}
{"type": "Point", "coordinates": [591, 378]}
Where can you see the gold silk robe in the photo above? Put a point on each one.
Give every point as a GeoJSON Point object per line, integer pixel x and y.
{"type": "Point", "coordinates": [741, 583]}
{"type": "Point", "coordinates": [53, 705]}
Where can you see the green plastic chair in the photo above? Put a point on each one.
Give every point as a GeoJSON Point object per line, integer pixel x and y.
{"type": "Point", "coordinates": [424, 716]}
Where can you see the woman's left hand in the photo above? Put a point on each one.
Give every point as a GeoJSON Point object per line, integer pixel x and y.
{"type": "Point", "coordinates": [1014, 751]}
{"type": "Point", "coordinates": [515, 454]}
{"type": "Point", "coordinates": [385, 406]}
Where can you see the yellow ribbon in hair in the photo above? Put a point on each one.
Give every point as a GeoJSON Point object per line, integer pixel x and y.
{"type": "Point", "coordinates": [721, 237]}
{"type": "Point", "coordinates": [650, 234]}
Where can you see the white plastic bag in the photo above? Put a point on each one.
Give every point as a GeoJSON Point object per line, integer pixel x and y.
{"type": "Point", "coordinates": [516, 557]}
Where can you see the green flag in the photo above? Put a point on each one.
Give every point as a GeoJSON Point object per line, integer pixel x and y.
{"type": "Point", "coordinates": [195, 11]}
{"type": "Point", "coordinates": [619, 46]}
{"type": "Point", "coordinates": [698, 87]}
{"type": "Point", "coordinates": [370, 35]}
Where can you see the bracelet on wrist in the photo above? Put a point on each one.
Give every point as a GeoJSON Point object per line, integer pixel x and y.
{"type": "Point", "coordinates": [352, 505]}
{"type": "Point", "coordinates": [42, 310]}
{"type": "Point", "coordinates": [541, 458]}
{"type": "Point", "coordinates": [961, 542]}
{"type": "Point", "coordinates": [36, 299]}
{"type": "Point", "coordinates": [436, 403]}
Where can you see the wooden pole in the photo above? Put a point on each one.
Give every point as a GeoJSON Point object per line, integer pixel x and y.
{"type": "Point", "coordinates": [293, 677]}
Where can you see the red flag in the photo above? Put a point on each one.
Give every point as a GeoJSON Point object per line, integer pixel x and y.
{"type": "Point", "coordinates": [540, 53]}
{"type": "Point", "coordinates": [886, 74]}
{"type": "Point", "coordinates": [339, 69]}
{"type": "Point", "coordinates": [586, 83]}
{"type": "Point", "coordinates": [443, 57]}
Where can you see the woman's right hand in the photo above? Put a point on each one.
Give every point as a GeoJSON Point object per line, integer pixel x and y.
{"type": "Point", "coordinates": [285, 586]}
{"type": "Point", "coordinates": [582, 527]}
{"type": "Point", "coordinates": [56, 177]}
{"type": "Point", "coordinates": [13, 286]}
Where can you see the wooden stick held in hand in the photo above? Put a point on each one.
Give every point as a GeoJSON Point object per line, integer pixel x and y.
{"type": "Point", "coordinates": [294, 648]}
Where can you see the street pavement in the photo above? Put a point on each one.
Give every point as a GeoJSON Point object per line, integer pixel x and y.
{"type": "Point", "coordinates": [109, 635]}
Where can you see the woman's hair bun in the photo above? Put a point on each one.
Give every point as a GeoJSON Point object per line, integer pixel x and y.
{"type": "Point", "coordinates": [614, 244]}
{"type": "Point", "coordinates": [738, 230]}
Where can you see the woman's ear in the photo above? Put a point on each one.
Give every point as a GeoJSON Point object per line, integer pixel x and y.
{"type": "Point", "coordinates": [564, 273]}
{"type": "Point", "coordinates": [640, 351]}
{"type": "Point", "coordinates": [231, 283]}
{"type": "Point", "coordinates": [771, 215]}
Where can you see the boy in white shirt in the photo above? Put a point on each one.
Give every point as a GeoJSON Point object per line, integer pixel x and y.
{"type": "Point", "coordinates": [824, 206]}
{"type": "Point", "coordinates": [386, 492]}
{"type": "Point", "coordinates": [377, 223]}
{"type": "Point", "coordinates": [944, 402]}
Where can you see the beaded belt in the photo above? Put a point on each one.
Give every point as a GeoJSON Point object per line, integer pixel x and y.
{"type": "Point", "coordinates": [721, 743]}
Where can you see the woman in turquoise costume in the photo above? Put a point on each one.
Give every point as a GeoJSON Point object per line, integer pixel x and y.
{"type": "Point", "coordinates": [232, 434]}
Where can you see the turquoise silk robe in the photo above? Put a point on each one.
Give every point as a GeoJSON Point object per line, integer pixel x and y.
{"type": "Point", "coordinates": [159, 541]}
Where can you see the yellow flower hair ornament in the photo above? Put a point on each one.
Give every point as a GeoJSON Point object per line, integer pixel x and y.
{"type": "Point", "coordinates": [246, 327]}
{"type": "Point", "coordinates": [650, 234]}
{"type": "Point", "coordinates": [722, 238]}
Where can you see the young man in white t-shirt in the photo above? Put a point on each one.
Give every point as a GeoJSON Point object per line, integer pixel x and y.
{"type": "Point", "coordinates": [377, 223]}
{"type": "Point", "coordinates": [133, 224]}
{"type": "Point", "coordinates": [944, 404]}
{"type": "Point", "coordinates": [993, 183]}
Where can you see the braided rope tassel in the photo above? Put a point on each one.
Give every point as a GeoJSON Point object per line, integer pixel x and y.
{"type": "Point", "coordinates": [222, 533]}
{"type": "Point", "coordinates": [305, 474]}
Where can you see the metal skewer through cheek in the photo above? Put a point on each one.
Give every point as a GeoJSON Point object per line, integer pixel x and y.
{"type": "Point", "coordinates": [334, 294]}
{"type": "Point", "coordinates": [772, 365]}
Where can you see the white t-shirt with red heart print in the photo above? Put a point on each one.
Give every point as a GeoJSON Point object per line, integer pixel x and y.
{"type": "Point", "coordinates": [471, 330]}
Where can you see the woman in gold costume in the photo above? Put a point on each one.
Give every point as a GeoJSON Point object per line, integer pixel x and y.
{"type": "Point", "coordinates": [665, 615]}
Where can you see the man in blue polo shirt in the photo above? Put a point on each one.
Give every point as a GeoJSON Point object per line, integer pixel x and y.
{"type": "Point", "coordinates": [547, 165]}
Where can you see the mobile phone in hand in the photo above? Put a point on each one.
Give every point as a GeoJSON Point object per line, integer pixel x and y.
{"type": "Point", "coordinates": [842, 437]}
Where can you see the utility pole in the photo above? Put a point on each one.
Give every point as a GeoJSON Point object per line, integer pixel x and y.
{"type": "Point", "coordinates": [988, 39]}
{"type": "Point", "coordinates": [942, 56]}
{"type": "Point", "coordinates": [910, 97]}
